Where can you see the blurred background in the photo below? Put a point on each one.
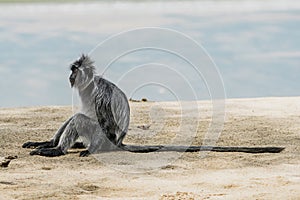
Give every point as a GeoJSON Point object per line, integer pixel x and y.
{"type": "Point", "coordinates": [254, 44]}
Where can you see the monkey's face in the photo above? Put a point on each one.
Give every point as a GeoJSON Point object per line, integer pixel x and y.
{"type": "Point", "coordinates": [82, 72]}
{"type": "Point", "coordinates": [80, 77]}
{"type": "Point", "coordinates": [73, 75]}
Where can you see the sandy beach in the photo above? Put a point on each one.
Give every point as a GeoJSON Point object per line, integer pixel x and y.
{"type": "Point", "coordinates": [159, 175]}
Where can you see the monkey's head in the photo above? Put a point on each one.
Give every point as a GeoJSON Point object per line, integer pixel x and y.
{"type": "Point", "coordinates": [82, 72]}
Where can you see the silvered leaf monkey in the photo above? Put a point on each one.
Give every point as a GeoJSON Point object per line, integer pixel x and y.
{"type": "Point", "coordinates": [103, 120]}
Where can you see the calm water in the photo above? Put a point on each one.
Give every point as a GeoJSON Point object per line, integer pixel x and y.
{"type": "Point", "coordinates": [255, 45]}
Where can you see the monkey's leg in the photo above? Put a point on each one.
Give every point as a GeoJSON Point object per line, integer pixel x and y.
{"type": "Point", "coordinates": [80, 126]}
{"type": "Point", "coordinates": [67, 139]}
{"type": "Point", "coordinates": [48, 144]}
{"type": "Point", "coordinates": [91, 132]}
{"type": "Point", "coordinates": [56, 137]}
{"type": "Point", "coordinates": [93, 136]}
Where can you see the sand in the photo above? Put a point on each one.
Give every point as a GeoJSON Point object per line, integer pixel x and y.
{"type": "Point", "coordinates": [159, 175]}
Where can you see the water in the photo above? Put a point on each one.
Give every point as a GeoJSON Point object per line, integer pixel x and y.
{"type": "Point", "coordinates": [255, 45]}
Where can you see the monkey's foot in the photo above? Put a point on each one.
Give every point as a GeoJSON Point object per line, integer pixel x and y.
{"type": "Point", "coordinates": [52, 152]}
{"type": "Point", "coordinates": [84, 153]}
{"type": "Point", "coordinates": [47, 144]}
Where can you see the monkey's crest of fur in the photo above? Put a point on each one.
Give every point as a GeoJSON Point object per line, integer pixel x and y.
{"type": "Point", "coordinates": [85, 62]}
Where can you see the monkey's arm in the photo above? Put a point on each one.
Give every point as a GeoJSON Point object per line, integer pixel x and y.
{"type": "Point", "coordinates": [159, 148]}
{"type": "Point", "coordinates": [48, 144]}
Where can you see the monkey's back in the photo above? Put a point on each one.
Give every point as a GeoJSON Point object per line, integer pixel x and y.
{"type": "Point", "coordinates": [112, 110]}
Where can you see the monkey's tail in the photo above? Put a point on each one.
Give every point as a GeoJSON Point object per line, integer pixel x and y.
{"type": "Point", "coordinates": [160, 148]}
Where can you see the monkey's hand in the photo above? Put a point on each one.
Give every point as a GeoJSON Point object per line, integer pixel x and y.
{"type": "Point", "coordinates": [47, 144]}
{"type": "Point", "coordinates": [48, 152]}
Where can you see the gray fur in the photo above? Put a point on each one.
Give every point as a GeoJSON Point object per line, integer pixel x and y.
{"type": "Point", "coordinates": [103, 120]}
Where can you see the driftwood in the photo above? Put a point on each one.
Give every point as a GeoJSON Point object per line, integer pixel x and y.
{"type": "Point", "coordinates": [5, 162]}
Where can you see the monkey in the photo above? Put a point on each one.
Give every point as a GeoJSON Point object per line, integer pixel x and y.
{"type": "Point", "coordinates": [103, 121]}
